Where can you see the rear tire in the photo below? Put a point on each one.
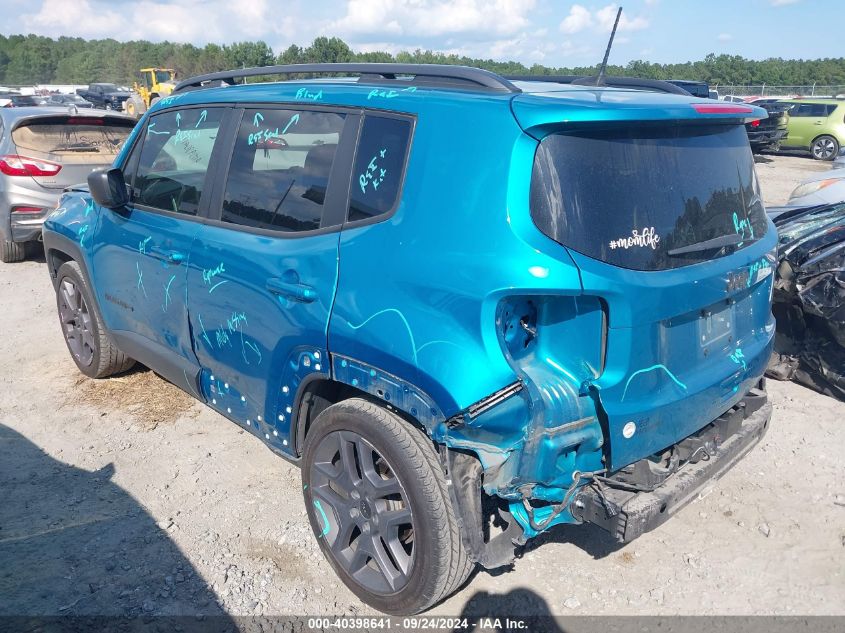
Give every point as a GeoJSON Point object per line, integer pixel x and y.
{"type": "Point", "coordinates": [11, 252]}
{"type": "Point", "coordinates": [824, 148]}
{"type": "Point", "coordinates": [373, 484]}
{"type": "Point", "coordinates": [86, 338]}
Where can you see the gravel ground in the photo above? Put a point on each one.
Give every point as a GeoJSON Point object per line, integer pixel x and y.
{"type": "Point", "coordinates": [124, 496]}
{"type": "Point", "coordinates": [781, 173]}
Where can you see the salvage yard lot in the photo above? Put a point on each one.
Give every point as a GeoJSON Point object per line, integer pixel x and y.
{"type": "Point", "coordinates": [125, 496]}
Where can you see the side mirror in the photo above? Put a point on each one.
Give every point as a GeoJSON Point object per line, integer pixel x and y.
{"type": "Point", "coordinates": [108, 188]}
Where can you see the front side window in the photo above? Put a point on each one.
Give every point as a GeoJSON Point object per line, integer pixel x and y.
{"type": "Point", "coordinates": [174, 159]}
{"type": "Point", "coordinates": [648, 198]}
{"type": "Point", "coordinates": [379, 165]}
{"type": "Point", "coordinates": [280, 169]}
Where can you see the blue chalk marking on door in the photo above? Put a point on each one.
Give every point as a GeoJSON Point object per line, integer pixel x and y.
{"type": "Point", "coordinates": [326, 526]}
{"type": "Point", "coordinates": [167, 293]}
{"type": "Point", "coordinates": [215, 286]}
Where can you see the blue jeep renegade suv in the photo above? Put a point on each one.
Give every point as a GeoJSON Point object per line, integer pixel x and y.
{"type": "Point", "coordinates": [469, 309]}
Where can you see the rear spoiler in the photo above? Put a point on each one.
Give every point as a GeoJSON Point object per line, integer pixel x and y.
{"type": "Point", "coordinates": [633, 83]}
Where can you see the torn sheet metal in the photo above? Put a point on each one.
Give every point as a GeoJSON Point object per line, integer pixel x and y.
{"type": "Point", "coordinates": [809, 299]}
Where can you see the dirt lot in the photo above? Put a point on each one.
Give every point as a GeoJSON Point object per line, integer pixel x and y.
{"type": "Point", "coordinates": [780, 174]}
{"type": "Point", "coordinates": [124, 496]}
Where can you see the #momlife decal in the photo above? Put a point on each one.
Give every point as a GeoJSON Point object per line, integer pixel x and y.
{"type": "Point", "coordinates": [646, 238]}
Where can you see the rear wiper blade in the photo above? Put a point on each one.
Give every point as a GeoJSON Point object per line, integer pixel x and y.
{"type": "Point", "coordinates": [716, 242]}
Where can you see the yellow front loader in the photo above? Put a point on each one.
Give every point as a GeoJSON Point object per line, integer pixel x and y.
{"type": "Point", "coordinates": [154, 84]}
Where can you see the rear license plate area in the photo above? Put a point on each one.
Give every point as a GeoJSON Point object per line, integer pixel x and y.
{"type": "Point", "coordinates": [716, 326]}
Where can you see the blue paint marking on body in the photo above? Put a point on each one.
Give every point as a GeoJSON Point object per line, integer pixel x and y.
{"type": "Point", "coordinates": [140, 284]}
{"type": "Point", "coordinates": [215, 286]}
{"type": "Point", "coordinates": [257, 119]}
{"type": "Point", "coordinates": [325, 519]}
{"type": "Point", "coordinates": [255, 349]}
{"type": "Point", "coordinates": [142, 245]}
{"type": "Point", "coordinates": [739, 358]}
{"type": "Point", "coordinates": [203, 116]}
{"type": "Point", "coordinates": [648, 369]}
{"type": "Point", "coordinates": [167, 293]}
{"type": "Point", "coordinates": [204, 333]}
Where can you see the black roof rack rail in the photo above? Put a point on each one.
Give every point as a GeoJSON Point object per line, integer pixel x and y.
{"type": "Point", "coordinates": [442, 75]}
{"type": "Point", "coordinates": [637, 83]}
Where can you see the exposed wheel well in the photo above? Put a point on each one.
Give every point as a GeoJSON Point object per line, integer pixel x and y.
{"type": "Point", "coordinates": [320, 394]}
{"type": "Point", "coordinates": [55, 260]}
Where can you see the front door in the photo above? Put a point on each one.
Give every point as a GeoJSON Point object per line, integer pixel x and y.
{"type": "Point", "coordinates": [264, 267]}
{"type": "Point", "coordinates": [143, 252]}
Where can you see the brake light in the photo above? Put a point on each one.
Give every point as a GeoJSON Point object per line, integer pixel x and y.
{"type": "Point", "coordinates": [727, 108]}
{"type": "Point", "coordinates": [27, 209]}
{"type": "Point", "coordinates": [14, 165]}
{"type": "Point", "coordinates": [84, 121]}
{"type": "Point", "coordinates": [755, 123]}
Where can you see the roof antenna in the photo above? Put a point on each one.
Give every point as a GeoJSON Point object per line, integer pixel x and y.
{"type": "Point", "coordinates": [600, 78]}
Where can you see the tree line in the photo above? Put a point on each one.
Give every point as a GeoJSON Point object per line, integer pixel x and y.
{"type": "Point", "coordinates": [32, 59]}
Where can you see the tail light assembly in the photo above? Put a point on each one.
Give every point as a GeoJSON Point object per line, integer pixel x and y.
{"type": "Point", "coordinates": [15, 165]}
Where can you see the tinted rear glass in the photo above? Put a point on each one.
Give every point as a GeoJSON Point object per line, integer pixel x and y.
{"type": "Point", "coordinates": [629, 197]}
{"type": "Point", "coordinates": [75, 139]}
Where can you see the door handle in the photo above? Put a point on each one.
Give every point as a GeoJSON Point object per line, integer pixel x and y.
{"type": "Point", "coordinates": [171, 257]}
{"type": "Point", "coordinates": [299, 292]}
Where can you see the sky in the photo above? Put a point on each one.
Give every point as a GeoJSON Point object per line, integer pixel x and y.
{"type": "Point", "coordinates": [548, 32]}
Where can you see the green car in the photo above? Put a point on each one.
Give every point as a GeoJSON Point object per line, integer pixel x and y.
{"type": "Point", "coordinates": [817, 125]}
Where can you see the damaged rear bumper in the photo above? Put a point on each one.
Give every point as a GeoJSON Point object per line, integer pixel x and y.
{"type": "Point", "coordinates": [626, 513]}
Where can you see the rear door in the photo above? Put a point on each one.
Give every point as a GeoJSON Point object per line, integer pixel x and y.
{"type": "Point", "coordinates": [669, 232]}
{"type": "Point", "coordinates": [143, 252]}
{"type": "Point", "coordinates": [264, 266]}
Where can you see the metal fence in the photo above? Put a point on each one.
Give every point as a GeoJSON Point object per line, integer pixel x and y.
{"type": "Point", "coordinates": [765, 90]}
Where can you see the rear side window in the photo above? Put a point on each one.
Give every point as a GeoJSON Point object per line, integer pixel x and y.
{"type": "Point", "coordinates": [812, 110]}
{"type": "Point", "coordinates": [174, 159]}
{"type": "Point", "coordinates": [280, 168]}
{"type": "Point", "coordinates": [379, 166]}
{"type": "Point", "coordinates": [648, 199]}
{"type": "Point", "coordinates": [73, 139]}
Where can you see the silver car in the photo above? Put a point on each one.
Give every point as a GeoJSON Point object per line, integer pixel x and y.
{"type": "Point", "coordinates": [42, 151]}
{"type": "Point", "coordinates": [826, 187]}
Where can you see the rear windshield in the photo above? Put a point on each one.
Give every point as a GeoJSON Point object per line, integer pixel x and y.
{"type": "Point", "coordinates": [75, 139]}
{"type": "Point", "coordinates": [648, 199]}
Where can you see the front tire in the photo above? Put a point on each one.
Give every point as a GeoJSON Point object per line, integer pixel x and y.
{"type": "Point", "coordinates": [824, 148]}
{"type": "Point", "coordinates": [86, 338]}
{"type": "Point", "coordinates": [379, 506]}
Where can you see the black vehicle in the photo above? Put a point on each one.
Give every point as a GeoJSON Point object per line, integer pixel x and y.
{"type": "Point", "coordinates": [69, 100]}
{"type": "Point", "coordinates": [695, 88]}
{"type": "Point", "coordinates": [105, 96]}
{"type": "Point", "coordinates": [766, 134]}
